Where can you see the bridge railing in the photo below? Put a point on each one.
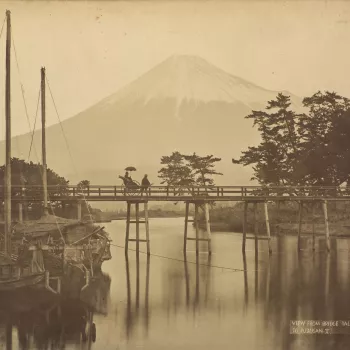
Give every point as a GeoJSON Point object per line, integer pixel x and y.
{"type": "Point", "coordinates": [35, 192]}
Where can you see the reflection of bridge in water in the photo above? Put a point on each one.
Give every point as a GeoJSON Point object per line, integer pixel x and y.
{"type": "Point", "coordinates": [284, 287]}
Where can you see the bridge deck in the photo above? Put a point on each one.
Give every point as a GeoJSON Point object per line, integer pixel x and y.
{"type": "Point", "coordinates": [174, 194]}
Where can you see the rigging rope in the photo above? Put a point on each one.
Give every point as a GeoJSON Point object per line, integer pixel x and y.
{"type": "Point", "coordinates": [2, 27]}
{"type": "Point", "coordinates": [29, 125]}
{"type": "Point", "coordinates": [34, 127]}
{"type": "Point", "coordinates": [20, 81]}
{"type": "Point", "coordinates": [67, 145]}
{"type": "Point", "coordinates": [59, 119]}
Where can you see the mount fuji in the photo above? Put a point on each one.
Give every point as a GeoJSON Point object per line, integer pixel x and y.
{"type": "Point", "coordinates": [184, 103]}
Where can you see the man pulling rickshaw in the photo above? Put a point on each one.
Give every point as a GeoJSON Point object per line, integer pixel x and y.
{"type": "Point", "coordinates": [133, 187]}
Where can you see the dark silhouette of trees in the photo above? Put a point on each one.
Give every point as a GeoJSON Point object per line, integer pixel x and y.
{"type": "Point", "coordinates": [29, 174]}
{"type": "Point", "coordinates": [175, 171]}
{"type": "Point", "coordinates": [310, 148]}
{"type": "Point", "coordinates": [188, 170]}
{"type": "Point", "coordinates": [273, 159]}
{"type": "Point", "coordinates": [202, 168]}
{"type": "Point", "coordinates": [83, 185]}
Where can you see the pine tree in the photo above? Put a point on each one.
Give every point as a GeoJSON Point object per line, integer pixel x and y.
{"type": "Point", "coordinates": [274, 159]}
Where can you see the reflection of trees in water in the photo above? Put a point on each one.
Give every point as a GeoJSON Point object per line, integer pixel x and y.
{"type": "Point", "coordinates": [200, 281]}
{"type": "Point", "coordinates": [285, 286]}
{"type": "Point", "coordinates": [136, 311]}
{"type": "Point", "coordinates": [196, 282]}
{"type": "Point", "coordinates": [188, 286]}
{"type": "Point", "coordinates": [304, 286]}
{"type": "Point", "coordinates": [53, 325]}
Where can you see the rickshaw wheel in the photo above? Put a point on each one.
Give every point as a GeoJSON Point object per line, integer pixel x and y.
{"type": "Point", "coordinates": [132, 191]}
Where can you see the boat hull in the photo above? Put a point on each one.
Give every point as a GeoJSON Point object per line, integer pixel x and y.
{"type": "Point", "coordinates": [22, 282]}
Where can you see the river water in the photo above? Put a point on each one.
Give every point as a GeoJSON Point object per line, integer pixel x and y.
{"type": "Point", "coordinates": [168, 302]}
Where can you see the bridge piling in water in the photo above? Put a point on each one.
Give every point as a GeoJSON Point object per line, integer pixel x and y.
{"type": "Point", "coordinates": [244, 226]}
{"type": "Point", "coordinates": [205, 207]}
{"type": "Point", "coordinates": [207, 224]}
{"type": "Point", "coordinates": [186, 226]}
{"type": "Point", "coordinates": [127, 227]}
{"type": "Point", "coordinates": [137, 221]}
{"type": "Point", "coordinates": [326, 221]}
{"type": "Point", "coordinates": [256, 226]}
{"type": "Point", "coordinates": [313, 227]}
{"type": "Point", "coordinates": [300, 224]}
{"type": "Point", "coordinates": [79, 210]}
{"type": "Point", "coordinates": [20, 212]}
{"type": "Point", "coordinates": [267, 221]}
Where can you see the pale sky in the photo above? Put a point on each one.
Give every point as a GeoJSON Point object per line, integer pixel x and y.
{"type": "Point", "coordinates": [91, 49]}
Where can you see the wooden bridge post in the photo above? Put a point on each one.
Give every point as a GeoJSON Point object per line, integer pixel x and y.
{"type": "Point", "coordinates": [205, 207]}
{"type": "Point", "coordinates": [63, 205]}
{"type": "Point", "coordinates": [300, 223]}
{"type": "Point", "coordinates": [20, 212]}
{"type": "Point", "coordinates": [313, 226]}
{"type": "Point", "coordinates": [244, 225]}
{"type": "Point", "coordinates": [186, 226]}
{"type": "Point", "coordinates": [196, 218]}
{"type": "Point", "coordinates": [127, 227]}
{"type": "Point", "coordinates": [207, 222]}
{"type": "Point", "coordinates": [137, 219]}
{"type": "Point", "coordinates": [79, 209]}
{"type": "Point", "coordinates": [245, 268]}
{"type": "Point", "coordinates": [326, 221]}
{"type": "Point", "coordinates": [256, 226]}
{"type": "Point", "coordinates": [278, 218]}
{"type": "Point", "coordinates": [267, 226]}
{"type": "Point", "coordinates": [147, 228]}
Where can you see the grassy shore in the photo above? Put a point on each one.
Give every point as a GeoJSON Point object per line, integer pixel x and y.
{"type": "Point", "coordinates": [283, 219]}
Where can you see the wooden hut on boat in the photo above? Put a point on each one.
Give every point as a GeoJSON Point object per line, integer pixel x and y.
{"type": "Point", "coordinates": [64, 241]}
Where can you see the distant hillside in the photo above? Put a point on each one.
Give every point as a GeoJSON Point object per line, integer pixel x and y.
{"type": "Point", "coordinates": [184, 104]}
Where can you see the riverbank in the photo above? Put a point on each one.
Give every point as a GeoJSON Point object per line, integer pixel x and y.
{"type": "Point", "coordinates": [284, 219]}
{"type": "Point", "coordinates": [152, 213]}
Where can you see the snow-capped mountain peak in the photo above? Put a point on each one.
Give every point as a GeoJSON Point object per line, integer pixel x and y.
{"type": "Point", "coordinates": [192, 78]}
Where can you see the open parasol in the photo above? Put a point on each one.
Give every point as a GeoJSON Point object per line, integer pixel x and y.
{"type": "Point", "coordinates": [130, 168]}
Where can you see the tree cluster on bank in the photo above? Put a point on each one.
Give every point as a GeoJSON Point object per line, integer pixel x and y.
{"type": "Point", "coordinates": [310, 148]}
{"type": "Point", "coordinates": [188, 170]}
{"type": "Point", "coordinates": [25, 176]}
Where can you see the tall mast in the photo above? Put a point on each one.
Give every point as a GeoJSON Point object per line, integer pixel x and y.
{"type": "Point", "coordinates": [43, 138]}
{"type": "Point", "coordinates": [8, 138]}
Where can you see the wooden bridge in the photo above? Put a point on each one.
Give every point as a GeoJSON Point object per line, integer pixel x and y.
{"type": "Point", "coordinates": [99, 193]}
{"type": "Point", "coordinates": [199, 196]}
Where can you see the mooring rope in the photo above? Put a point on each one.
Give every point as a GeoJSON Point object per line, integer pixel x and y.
{"type": "Point", "coordinates": [185, 261]}
{"type": "Point", "coordinates": [207, 265]}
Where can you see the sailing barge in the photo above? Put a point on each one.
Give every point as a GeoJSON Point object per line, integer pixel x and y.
{"type": "Point", "coordinates": [38, 251]}
{"type": "Point", "coordinates": [16, 273]}
{"type": "Point", "coordinates": [64, 241]}
{"type": "Point", "coordinates": [69, 247]}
